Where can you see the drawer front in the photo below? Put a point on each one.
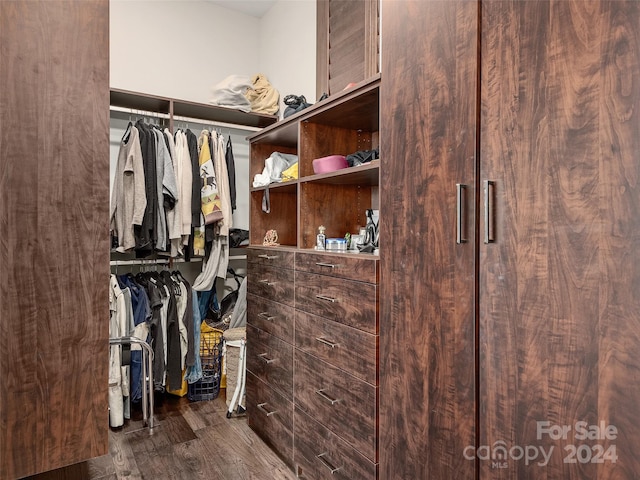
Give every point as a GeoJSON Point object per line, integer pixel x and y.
{"type": "Point", "coordinates": [340, 402]}
{"type": "Point", "coordinates": [349, 266]}
{"type": "Point", "coordinates": [271, 257]}
{"type": "Point", "coordinates": [345, 301]}
{"type": "Point", "coordinates": [271, 317]}
{"type": "Point", "coordinates": [321, 455]}
{"type": "Point", "coordinates": [272, 283]}
{"type": "Point", "coordinates": [345, 347]}
{"type": "Point", "coordinates": [270, 415]}
{"type": "Point", "coordinates": [271, 360]}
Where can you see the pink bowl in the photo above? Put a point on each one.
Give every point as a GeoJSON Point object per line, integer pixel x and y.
{"type": "Point", "coordinates": [329, 164]}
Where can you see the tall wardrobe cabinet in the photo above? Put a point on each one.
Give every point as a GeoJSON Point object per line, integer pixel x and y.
{"type": "Point", "coordinates": [509, 311]}
{"type": "Point", "coordinates": [54, 233]}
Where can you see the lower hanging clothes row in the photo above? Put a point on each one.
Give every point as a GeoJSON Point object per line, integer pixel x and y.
{"type": "Point", "coordinates": [161, 309]}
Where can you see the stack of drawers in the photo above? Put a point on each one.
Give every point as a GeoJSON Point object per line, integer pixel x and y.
{"type": "Point", "coordinates": [270, 336]}
{"type": "Point", "coordinates": [335, 382]}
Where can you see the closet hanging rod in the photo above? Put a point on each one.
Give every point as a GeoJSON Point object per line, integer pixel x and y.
{"type": "Point", "coordinates": [142, 113]}
{"type": "Point", "coordinates": [202, 121]}
{"type": "Point", "coordinates": [154, 261]}
{"type": "Point", "coordinates": [180, 118]}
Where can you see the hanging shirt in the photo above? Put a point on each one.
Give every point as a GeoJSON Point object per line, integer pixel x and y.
{"type": "Point", "coordinates": [128, 197]}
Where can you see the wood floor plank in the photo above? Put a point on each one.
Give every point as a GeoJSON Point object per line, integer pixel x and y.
{"type": "Point", "coordinates": [122, 456]}
{"type": "Point", "coordinates": [191, 441]}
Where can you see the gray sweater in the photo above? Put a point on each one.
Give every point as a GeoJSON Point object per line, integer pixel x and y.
{"type": "Point", "coordinates": [128, 197]}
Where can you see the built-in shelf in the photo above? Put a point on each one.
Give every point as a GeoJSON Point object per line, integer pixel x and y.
{"type": "Point", "coordinates": [343, 124]}
{"type": "Point", "coordinates": [184, 108]}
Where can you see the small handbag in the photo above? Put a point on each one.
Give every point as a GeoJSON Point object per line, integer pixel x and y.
{"type": "Point", "coordinates": [294, 103]}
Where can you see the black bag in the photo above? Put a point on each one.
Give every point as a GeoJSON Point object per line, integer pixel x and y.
{"type": "Point", "coordinates": [218, 312]}
{"type": "Point", "coordinates": [294, 104]}
{"type": "Point", "coordinates": [238, 237]}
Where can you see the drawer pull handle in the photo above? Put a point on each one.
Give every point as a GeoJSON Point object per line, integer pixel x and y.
{"type": "Point", "coordinates": [264, 410]}
{"type": "Point", "coordinates": [267, 360]}
{"type": "Point", "coordinates": [331, 468]}
{"type": "Point", "coordinates": [266, 316]}
{"type": "Point", "coordinates": [328, 265]}
{"type": "Point", "coordinates": [267, 283]}
{"type": "Point", "coordinates": [328, 299]}
{"type": "Point", "coordinates": [268, 257]}
{"type": "Point", "coordinates": [327, 342]}
{"type": "Point", "coordinates": [332, 401]}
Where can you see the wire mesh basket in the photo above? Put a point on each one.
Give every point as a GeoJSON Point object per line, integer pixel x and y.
{"type": "Point", "coordinates": [208, 387]}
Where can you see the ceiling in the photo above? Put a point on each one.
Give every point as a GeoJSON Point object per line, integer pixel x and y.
{"type": "Point", "coordinates": [255, 8]}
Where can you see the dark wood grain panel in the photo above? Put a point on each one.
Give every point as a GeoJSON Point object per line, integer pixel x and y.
{"type": "Point", "coordinates": [271, 360]}
{"type": "Point", "coordinates": [556, 286]}
{"type": "Point", "coordinates": [273, 257]}
{"type": "Point", "coordinates": [363, 268]}
{"type": "Point", "coordinates": [371, 38]}
{"type": "Point", "coordinates": [345, 16]}
{"type": "Point", "coordinates": [273, 420]}
{"type": "Point", "coordinates": [351, 303]}
{"type": "Point", "coordinates": [347, 43]}
{"type": "Point", "coordinates": [344, 404]}
{"type": "Point", "coordinates": [283, 207]}
{"type": "Point", "coordinates": [312, 439]}
{"type": "Point", "coordinates": [317, 141]}
{"type": "Point", "coordinates": [356, 108]}
{"type": "Point", "coordinates": [350, 349]}
{"type": "Point", "coordinates": [618, 391]}
{"type": "Point", "coordinates": [427, 331]}
{"type": "Point", "coordinates": [340, 208]}
{"type": "Point", "coordinates": [272, 317]}
{"type": "Point", "coordinates": [275, 407]}
{"type": "Point", "coordinates": [520, 110]}
{"type": "Point", "coordinates": [54, 247]}
{"type": "Point", "coordinates": [271, 283]}
{"type": "Point", "coordinates": [322, 47]}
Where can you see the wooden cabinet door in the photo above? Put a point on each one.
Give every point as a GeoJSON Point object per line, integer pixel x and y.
{"type": "Point", "coordinates": [348, 38]}
{"type": "Point", "coordinates": [54, 230]}
{"type": "Point", "coordinates": [427, 330]}
{"type": "Point", "coordinates": [558, 300]}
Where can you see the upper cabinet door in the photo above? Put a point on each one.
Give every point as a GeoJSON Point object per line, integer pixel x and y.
{"type": "Point", "coordinates": [348, 43]}
{"type": "Point", "coordinates": [559, 265]}
{"type": "Point", "coordinates": [428, 117]}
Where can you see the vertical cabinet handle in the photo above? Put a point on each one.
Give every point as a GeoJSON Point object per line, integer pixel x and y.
{"type": "Point", "coordinates": [489, 225]}
{"type": "Point", "coordinates": [461, 217]}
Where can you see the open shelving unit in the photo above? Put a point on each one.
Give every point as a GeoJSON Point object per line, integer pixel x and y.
{"type": "Point", "coordinates": [343, 124]}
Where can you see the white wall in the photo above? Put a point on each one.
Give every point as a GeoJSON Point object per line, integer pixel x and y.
{"type": "Point", "coordinates": [179, 49]}
{"type": "Point", "coordinates": [288, 48]}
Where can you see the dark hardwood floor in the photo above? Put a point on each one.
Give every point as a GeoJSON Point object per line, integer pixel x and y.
{"type": "Point", "coordinates": [191, 440]}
